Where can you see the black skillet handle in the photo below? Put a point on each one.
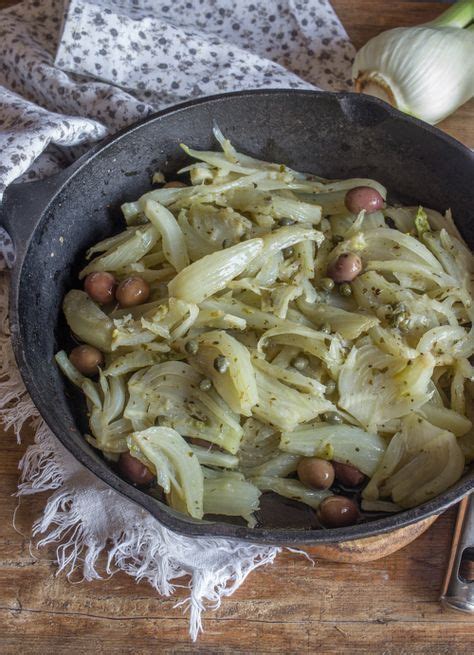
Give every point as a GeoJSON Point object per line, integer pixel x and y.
{"type": "Point", "coordinates": [22, 207]}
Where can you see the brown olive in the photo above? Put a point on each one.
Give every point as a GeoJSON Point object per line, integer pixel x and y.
{"type": "Point", "coordinates": [86, 359]}
{"type": "Point", "coordinates": [132, 469]}
{"type": "Point", "coordinates": [363, 197]}
{"type": "Point", "coordinates": [174, 184]}
{"type": "Point", "coordinates": [132, 291]}
{"type": "Point", "coordinates": [348, 475]}
{"type": "Point", "coordinates": [337, 512]}
{"type": "Point", "coordinates": [345, 268]}
{"type": "Point", "coordinates": [196, 441]}
{"type": "Point", "coordinates": [315, 473]}
{"type": "Point", "coordinates": [100, 287]}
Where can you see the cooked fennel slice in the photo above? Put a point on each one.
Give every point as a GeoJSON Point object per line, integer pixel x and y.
{"type": "Point", "coordinates": [290, 376]}
{"type": "Point", "coordinates": [280, 466]}
{"type": "Point", "coordinates": [259, 444]}
{"type": "Point", "coordinates": [284, 237]}
{"type": "Point", "coordinates": [107, 424]}
{"type": "Point", "coordinates": [212, 273]}
{"type": "Point", "coordinates": [309, 341]}
{"type": "Point", "coordinates": [231, 497]}
{"type": "Point", "coordinates": [206, 228]}
{"type": "Point", "coordinates": [130, 362]}
{"type": "Point", "coordinates": [126, 252]}
{"type": "Point", "coordinates": [284, 407]}
{"type": "Point", "coordinates": [375, 387]}
{"type": "Point", "coordinates": [291, 489]}
{"type": "Point", "coordinates": [343, 443]}
{"type": "Point", "coordinates": [174, 245]}
{"type": "Point", "coordinates": [349, 325]}
{"type": "Point", "coordinates": [213, 457]}
{"type": "Point", "coordinates": [111, 242]}
{"type": "Point", "coordinates": [169, 392]}
{"type": "Point", "coordinates": [175, 464]}
{"type": "Point", "coordinates": [388, 244]}
{"type": "Point", "coordinates": [87, 321]}
{"type": "Point", "coordinates": [236, 384]}
{"type": "Point", "coordinates": [446, 419]}
{"type": "Point", "coordinates": [421, 462]}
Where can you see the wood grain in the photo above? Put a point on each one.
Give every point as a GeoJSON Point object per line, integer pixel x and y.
{"type": "Point", "coordinates": [388, 607]}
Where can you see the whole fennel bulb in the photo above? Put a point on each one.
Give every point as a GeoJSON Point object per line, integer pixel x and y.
{"type": "Point", "coordinates": [426, 71]}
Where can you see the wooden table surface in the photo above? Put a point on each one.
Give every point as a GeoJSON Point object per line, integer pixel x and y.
{"type": "Point", "coordinates": [390, 606]}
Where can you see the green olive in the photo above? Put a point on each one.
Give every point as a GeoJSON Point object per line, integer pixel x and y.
{"type": "Point", "coordinates": [205, 384]}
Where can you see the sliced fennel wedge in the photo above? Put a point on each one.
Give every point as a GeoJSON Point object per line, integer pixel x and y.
{"type": "Point", "coordinates": [420, 462]}
{"type": "Point", "coordinates": [175, 462]}
{"type": "Point", "coordinates": [343, 443]}
{"type": "Point", "coordinates": [213, 272]}
{"type": "Point", "coordinates": [237, 384]}
{"type": "Point", "coordinates": [87, 321]}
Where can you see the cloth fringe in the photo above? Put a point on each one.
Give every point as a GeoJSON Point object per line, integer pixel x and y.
{"type": "Point", "coordinates": [86, 519]}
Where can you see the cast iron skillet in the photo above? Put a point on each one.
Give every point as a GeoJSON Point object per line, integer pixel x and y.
{"type": "Point", "coordinates": [54, 221]}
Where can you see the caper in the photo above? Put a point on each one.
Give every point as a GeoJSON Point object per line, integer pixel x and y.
{"type": "Point", "coordinates": [327, 283]}
{"type": "Point", "coordinates": [191, 347]}
{"type": "Point", "coordinates": [403, 323]}
{"type": "Point", "coordinates": [205, 384]}
{"type": "Point", "coordinates": [333, 417]}
{"type": "Point", "coordinates": [326, 328]}
{"type": "Point", "coordinates": [221, 364]}
{"type": "Point", "coordinates": [288, 252]}
{"type": "Point", "coordinates": [286, 221]}
{"type": "Point", "coordinates": [345, 289]}
{"type": "Point", "coordinates": [300, 362]}
{"type": "Point", "coordinates": [330, 387]}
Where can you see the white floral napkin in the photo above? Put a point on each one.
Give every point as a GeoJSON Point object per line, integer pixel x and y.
{"type": "Point", "coordinates": [70, 73]}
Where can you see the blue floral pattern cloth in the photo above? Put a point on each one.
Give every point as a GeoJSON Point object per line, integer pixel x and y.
{"type": "Point", "coordinates": [72, 72]}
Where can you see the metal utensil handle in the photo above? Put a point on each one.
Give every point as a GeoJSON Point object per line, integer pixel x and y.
{"type": "Point", "coordinates": [457, 593]}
